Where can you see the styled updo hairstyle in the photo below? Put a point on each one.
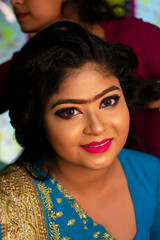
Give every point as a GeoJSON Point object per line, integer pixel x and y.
{"type": "Point", "coordinates": [42, 65]}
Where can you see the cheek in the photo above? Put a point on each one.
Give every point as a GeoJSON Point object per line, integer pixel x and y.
{"type": "Point", "coordinates": [121, 121]}
{"type": "Point", "coordinates": [124, 121]}
{"type": "Point", "coordinates": [63, 133]}
{"type": "Point", "coordinates": [52, 8]}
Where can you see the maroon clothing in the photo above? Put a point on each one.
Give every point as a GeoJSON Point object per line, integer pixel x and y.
{"type": "Point", "coordinates": [144, 39]}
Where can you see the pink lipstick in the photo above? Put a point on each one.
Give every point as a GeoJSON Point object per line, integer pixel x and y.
{"type": "Point", "coordinates": [21, 15]}
{"type": "Point", "coordinates": [97, 147]}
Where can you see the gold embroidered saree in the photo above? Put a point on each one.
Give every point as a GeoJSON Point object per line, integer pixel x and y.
{"type": "Point", "coordinates": [41, 210]}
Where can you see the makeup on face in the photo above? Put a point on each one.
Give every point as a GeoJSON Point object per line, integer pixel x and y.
{"type": "Point", "coordinates": [70, 112]}
{"type": "Point", "coordinates": [87, 120]}
{"type": "Point", "coordinates": [82, 101]}
{"type": "Point", "coordinates": [97, 147]}
{"type": "Point", "coordinates": [21, 15]}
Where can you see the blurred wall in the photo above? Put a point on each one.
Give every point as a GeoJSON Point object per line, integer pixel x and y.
{"type": "Point", "coordinates": [148, 10]}
{"type": "Point", "coordinates": [11, 40]}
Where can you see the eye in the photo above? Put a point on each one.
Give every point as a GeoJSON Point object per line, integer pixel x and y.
{"type": "Point", "coordinates": [67, 113]}
{"type": "Point", "coordinates": [110, 101]}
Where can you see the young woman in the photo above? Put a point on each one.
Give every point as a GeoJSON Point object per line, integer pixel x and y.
{"type": "Point", "coordinates": [99, 18]}
{"type": "Point", "coordinates": [69, 107]}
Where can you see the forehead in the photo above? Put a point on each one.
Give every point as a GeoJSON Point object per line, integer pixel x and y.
{"type": "Point", "coordinates": [86, 82]}
{"type": "Point", "coordinates": [87, 77]}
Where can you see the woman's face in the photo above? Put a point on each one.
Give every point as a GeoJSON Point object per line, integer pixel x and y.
{"type": "Point", "coordinates": [87, 121]}
{"type": "Point", "coordinates": [35, 15]}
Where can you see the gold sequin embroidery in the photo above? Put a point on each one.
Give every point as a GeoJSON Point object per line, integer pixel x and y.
{"type": "Point", "coordinates": [96, 235]}
{"type": "Point", "coordinates": [65, 238]}
{"type": "Point", "coordinates": [47, 201]}
{"type": "Point", "coordinates": [71, 222]}
{"type": "Point", "coordinates": [54, 231]}
{"type": "Point", "coordinates": [52, 215]}
{"type": "Point", "coordinates": [59, 200]}
{"type": "Point", "coordinates": [22, 214]}
{"type": "Point", "coordinates": [82, 214]}
{"type": "Point", "coordinates": [55, 215]}
{"type": "Point", "coordinates": [107, 236]}
{"type": "Point", "coordinates": [75, 204]}
{"type": "Point", "coordinates": [55, 234]}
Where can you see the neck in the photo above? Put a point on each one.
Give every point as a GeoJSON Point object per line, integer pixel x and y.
{"type": "Point", "coordinates": [87, 181]}
{"type": "Point", "coordinates": [96, 29]}
{"type": "Point", "coordinates": [93, 28]}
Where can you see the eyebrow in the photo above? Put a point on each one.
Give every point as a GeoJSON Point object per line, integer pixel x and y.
{"type": "Point", "coordinates": [82, 101]}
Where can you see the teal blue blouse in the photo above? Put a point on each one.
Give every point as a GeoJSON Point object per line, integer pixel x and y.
{"type": "Point", "coordinates": [143, 175]}
{"type": "Point", "coordinates": [66, 218]}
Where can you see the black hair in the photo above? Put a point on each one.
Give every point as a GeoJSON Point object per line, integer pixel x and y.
{"type": "Point", "coordinates": [93, 11]}
{"type": "Point", "coordinates": [42, 65]}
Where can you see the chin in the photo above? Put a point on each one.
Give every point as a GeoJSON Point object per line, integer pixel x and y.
{"type": "Point", "coordinates": [102, 164]}
{"type": "Point", "coordinates": [27, 30]}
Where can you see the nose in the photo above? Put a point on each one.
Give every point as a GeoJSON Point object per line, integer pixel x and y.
{"type": "Point", "coordinates": [16, 2]}
{"type": "Point", "coordinates": [94, 125]}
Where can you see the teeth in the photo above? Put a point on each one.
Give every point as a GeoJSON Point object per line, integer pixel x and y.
{"type": "Point", "coordinates": [98, 145]}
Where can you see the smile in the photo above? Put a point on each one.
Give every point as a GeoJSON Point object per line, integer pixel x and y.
{"type": "Point", "coordinates": [97, 147]}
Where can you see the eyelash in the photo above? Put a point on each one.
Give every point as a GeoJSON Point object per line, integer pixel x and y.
{"type": "Point", "coordinates": [62, 113]}
{"type": "Point", "coordinates": [68, 113]}
{"type": "Point", "coordinates": [111, 101]}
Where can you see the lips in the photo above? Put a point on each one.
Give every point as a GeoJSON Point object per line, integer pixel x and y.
{"type": "Point", "coordinates": [97, 147]}
{"type": "Point", "coordinates": [21, 15]}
